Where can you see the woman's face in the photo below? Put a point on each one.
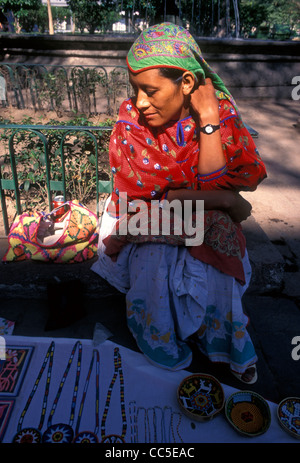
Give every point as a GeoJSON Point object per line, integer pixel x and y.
{"type": "Point", "coordinates": [157, 98]}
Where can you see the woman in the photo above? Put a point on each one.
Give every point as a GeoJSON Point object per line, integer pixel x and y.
{"type": "Point", "coordinates": [181, 138]}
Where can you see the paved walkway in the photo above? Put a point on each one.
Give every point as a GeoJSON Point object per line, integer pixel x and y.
{"type": "Point", "coordinates": [272, 302]}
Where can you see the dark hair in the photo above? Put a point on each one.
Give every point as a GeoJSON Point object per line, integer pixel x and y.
{"type": "Point", "coordinates": [173, 74]}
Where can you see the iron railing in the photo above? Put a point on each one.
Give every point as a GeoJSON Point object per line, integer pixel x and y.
{"type": "Point", "coordinates": [9, 175]}
{"type": "Point", "coordinates": [65, 89]}
{"type": "Point", "coordinates": [85, 89]}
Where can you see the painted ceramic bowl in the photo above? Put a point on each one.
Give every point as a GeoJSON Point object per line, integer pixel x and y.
{"type": "Point", "coordinates": [200, 396]}
{"type": "Point", "coordinates": [248, 413]}
{"type": "Point", "coordinates": [288, 413]}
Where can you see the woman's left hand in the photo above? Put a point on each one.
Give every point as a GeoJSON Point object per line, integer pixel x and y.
{"type": "Point", "coordinates": [205, 103]}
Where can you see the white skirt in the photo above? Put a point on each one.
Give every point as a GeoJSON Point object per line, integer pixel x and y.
{"type": "Point", "coordinates": [171, 296]}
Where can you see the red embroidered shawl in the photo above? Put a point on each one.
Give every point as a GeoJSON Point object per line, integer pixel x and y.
{"type": "Point", "coordinates": [147, 162]}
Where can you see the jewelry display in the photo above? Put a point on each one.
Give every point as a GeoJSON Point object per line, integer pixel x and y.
{"type": "Point", "coordinates": [118, 371]}
{"type": "Point", "coordinates": [63, 433]}
{"type": "Point", "coordinates": [32, 435]}
{"type": "Point", "coordinates": [88, 437]}
{"type": "Point", "coordinates": [133, 421]}
{"type": "Point", "coordinates": [177, 427]}
{"type": "Point", "coordinates": [50, 392]}
{"type": "Point", "coordinates": [154, 424]}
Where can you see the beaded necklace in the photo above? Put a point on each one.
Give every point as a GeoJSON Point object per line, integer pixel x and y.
{"type": "Point", "coordinates": [177, 426]}
{"type": "Point", "coordinates": [115, 438]}
{"type": "Point", "coordinates": [133, 421]}
{"type": "Point", "coordinates": [168, 425]}
{"type": "Point", "coordinates": [154, 424]}
{"type": "Point", "coordinates": [88, 437]}
{"type": "Point", "coordinates": [63, 433]}
{"type": "Point", "coordinates": [32, 435]}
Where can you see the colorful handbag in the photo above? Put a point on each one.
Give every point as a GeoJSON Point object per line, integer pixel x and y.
{"type": "Point", "coordinates": [71, 238]}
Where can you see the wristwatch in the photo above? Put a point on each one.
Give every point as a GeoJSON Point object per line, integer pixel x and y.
{"type": "Point", "coordinates": [209, 128]}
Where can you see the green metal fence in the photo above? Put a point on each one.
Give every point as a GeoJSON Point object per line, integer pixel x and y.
{"type": "Point", "coordinates": [13, 181]}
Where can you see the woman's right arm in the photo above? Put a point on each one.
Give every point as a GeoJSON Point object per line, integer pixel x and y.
{"type": "Point", "coordinates": [231, 202]}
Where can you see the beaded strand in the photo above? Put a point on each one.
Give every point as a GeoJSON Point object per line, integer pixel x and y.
{"type": "Point", "coordinates": [86, 435]}
{"type": "Point", "coordinates": [63, 433]}
{"type": "Point", "coordinates": [21, 433]}
{"type": "Point", "coordinates": [117, 371]}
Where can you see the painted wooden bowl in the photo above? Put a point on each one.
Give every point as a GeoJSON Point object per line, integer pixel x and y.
{"type": "Point", "coordinates": [248, 413]}
{"type": "Point", "coordinates": [288, 414]}
{"type": "Point", "coordinates": [201, 396]}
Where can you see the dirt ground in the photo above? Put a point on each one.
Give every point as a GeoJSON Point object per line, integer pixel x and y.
{"type": "Point", "coordinates": [17, 116]}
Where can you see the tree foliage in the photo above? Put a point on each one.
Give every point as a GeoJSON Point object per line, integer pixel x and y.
{"type": "Point", "coordinates": [283, 12]}
{"type": "Point", "coordinates": [203, 17]}
{"type": "Point", "coordinates": [92, 15]}
{"type": "Point", "coordinates": [253, 14]}
{"type": "Point", "coordinates": [269, 13]}
{"type": "Point", "coordinates": [17, 5]}
{"type": "Point", "coordinates": [87, 14]}
{"type": "Point", "coordinates": [20, 10]}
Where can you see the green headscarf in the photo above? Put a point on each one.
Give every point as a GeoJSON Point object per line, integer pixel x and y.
{"type": "Point", "coordinates": [169, 45]}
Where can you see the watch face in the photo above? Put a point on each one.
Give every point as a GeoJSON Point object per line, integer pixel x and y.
{"type": "Point", "coordinates": [209, 129]}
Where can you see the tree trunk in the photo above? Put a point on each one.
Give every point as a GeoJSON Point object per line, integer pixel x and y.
{"type": "Point", "coordinates": [192, 21]}
{"type": "Point", "coordinates": [132, 17]}
{"type": "Point", "coordinates": [237, 18]}
{"type": "Point", "coordinates": [72, 19]}
{"type": "Point", "coordinates": [50, 20]}
{"type": "Point", "coordinates": [212, 17]}
{"type": "Point", "coordinates": [227, 17]}
{"type": "Point", "coordinates": [199, 17]}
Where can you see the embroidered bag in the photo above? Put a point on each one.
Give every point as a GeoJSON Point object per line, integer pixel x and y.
{"type": "Point", "coordinates": [72, 238]}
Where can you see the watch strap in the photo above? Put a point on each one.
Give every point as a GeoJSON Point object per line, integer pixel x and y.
{"type": "Point", "coordinates": [209, 128]}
